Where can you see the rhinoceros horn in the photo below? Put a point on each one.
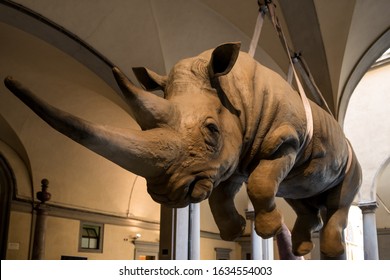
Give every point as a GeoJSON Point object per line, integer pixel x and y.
{"type": "Point", "coordinates": [149, 79]}
{"type": "Point", "coordinates": [146, 153]}
{"type": "Point", "coordinates": [150, 111]}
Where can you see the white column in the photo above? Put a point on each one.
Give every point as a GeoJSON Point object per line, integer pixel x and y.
{"type": "Point", "coordinates": [173, 233]}
{"type": "Point", "coordinates": [262, 249]}
{"type": "Point", "coordinates": [194, 232]}
{"type": "Point", "coordinates": [257, 244]}
{"type": "Point", "coordinates": [268, 248]}
{"type": "Point", "coordinates": [369, 230]}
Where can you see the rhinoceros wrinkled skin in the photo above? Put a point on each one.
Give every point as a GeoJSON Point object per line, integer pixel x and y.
{"type": "Point", "coordinates": [226, 120]}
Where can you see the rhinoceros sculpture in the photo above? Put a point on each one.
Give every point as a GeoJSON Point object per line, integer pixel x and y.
{"type": "Point", "coordinates": [225, 120]}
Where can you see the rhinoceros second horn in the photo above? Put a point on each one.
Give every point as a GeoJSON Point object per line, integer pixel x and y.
{"type": "Point", "coordinates": [150, 111]}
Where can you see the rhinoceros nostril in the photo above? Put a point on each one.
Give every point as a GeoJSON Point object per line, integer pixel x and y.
{"type": "Point", "coordinates": [201, 189]}
{"type": "Point", "coordinates": [190, 188]}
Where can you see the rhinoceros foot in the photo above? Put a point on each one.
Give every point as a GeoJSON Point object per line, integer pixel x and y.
{"type": "Point", "coordinates": [268, 224]}
{"type": "Point", "coordinates": [332, 241]}
{"type": "Point", "coordinates": [332, 247]}
{"type": "Point", "coordinates": [303, 248]}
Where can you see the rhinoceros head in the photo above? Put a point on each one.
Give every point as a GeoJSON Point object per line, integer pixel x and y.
{"type": "Point", "coordinates": [190, 139]}
{"type": "Point", "coordinates": [196, 115]}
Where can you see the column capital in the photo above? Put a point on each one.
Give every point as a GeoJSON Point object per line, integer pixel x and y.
{"type": "Point", "coordinates": [368, 207]}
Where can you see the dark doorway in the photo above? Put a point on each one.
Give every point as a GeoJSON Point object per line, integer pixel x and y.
{"type": "Point", "coordinates": [6, 186]}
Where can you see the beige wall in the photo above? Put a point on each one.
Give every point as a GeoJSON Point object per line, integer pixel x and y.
{"type": "Point", "coordinates": [367, 125]}
{"type": "Point", "coordinates": [19, 236]}
{"type": "Point", "coordinates": [62, 239]}
{"type": "Point", "coordinates": [207, 249]}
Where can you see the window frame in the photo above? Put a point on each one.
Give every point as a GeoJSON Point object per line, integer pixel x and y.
{"type": "Point", "coordinates": [100, 236]}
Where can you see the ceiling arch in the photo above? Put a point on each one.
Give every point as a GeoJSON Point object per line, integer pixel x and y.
{"type": "Point", "coordinates": [367, 60]}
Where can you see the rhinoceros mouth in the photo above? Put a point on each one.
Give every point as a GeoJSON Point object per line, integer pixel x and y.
{"type": "Point", "coordinates": [194, 191]}
{"type": "Point", "coordinates": [199, 190]}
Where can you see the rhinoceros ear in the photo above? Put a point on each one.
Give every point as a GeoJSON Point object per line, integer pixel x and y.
{"type": "Point", "coordinates": [223, 59]}
{"type": "Point", "coordinates": [150, 80]}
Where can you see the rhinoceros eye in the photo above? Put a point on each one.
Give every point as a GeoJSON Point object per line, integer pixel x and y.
{"type": "Point", "coordinates": [213, 128]}
{"type": "Point", "coordinates": [211, 133]}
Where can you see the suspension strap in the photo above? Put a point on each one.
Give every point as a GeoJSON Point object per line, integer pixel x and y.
{"type": "Point", "coordinates": [257, 31]}
{"type": "Point", "coordinates": [263, 8]}
{"type": "Point", "coordinates": [298, 60]}
{"type": "Point", "coordinates": [306, 75]}
{"type": "Point", "coordinates": [305, 100]}
{"type": "Point", "coordinates": [309, 80]}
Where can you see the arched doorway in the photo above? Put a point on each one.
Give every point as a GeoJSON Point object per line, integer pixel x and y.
{"type": "Point", "coordinates": [6, 187]}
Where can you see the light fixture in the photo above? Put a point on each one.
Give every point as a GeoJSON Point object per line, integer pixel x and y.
{"type": "Point", "coordinates": [137, 236]}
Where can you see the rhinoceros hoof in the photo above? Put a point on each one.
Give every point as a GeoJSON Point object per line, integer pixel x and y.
{"type": "Point", "coordinates": [233, 229]}
{"type": "Point", "coordinates": [268, 224]}
{"type": "Point", "coordinates": [332, 244]}
{"type": "Point", "coordinates": [332, 248]}
{"type": "Point", "coordinates": [303, 248]}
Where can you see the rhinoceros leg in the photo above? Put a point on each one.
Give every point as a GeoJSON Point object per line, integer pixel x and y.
{"type": "Point", "coordinates": [283, 239]}
{"type": "Point", "coordinates": [279, 150]}
{"type": "Point", "coordinates": [263, 184]}
{"type": "Point", "coordinates": [338, 202]}
{"type": "Point", "coordinates": [308, 220]}
{"type": "Point", "coordinates": [230, 223]}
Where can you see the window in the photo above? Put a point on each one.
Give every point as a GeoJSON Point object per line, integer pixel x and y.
{"type": "Point", "coordinates": [91, 237]}
{"type": "Point", "coordinates": [222, 253]}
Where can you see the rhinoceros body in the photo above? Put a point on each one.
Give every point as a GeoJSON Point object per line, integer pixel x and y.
{"type": "Point", "coordinates": [226, 120]}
